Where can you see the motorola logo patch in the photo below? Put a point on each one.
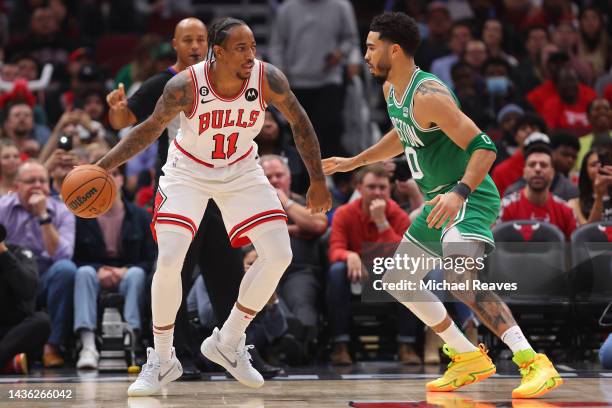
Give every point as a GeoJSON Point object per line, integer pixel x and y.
{"type": "Point", "coordinates": [251, 94]}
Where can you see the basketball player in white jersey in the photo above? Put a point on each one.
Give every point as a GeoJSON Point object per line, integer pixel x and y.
{"type": "Point", "coordinates": [222, 105]}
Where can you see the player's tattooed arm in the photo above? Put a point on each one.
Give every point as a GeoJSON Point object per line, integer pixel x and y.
{"type": "Point", "coordinates": [177, 97]}
{"type": "Point", "coordinates": [278, 93]}
{"type": "Point", "coordinates": [432, 87]}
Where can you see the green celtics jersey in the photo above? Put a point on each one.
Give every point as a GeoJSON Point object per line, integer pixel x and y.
{"type": "Point", "coordinates": [435, 161]}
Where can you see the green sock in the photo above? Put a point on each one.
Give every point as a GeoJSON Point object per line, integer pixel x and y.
{"type": "Point", "coordinates": [523, 356]}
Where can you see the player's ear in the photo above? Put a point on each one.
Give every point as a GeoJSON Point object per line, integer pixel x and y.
{"type": "Point", "coordinates": [395, 49]}
{"type": "Point", "coordinates": [217, 51]}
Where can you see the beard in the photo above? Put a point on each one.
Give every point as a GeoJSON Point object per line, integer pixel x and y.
{"type": "Point", "coordinates": [537, 185]}
{"type": "Point", "coordinates": [382, 67]}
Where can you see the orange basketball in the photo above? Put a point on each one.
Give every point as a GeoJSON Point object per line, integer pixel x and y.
{"type": "Point", "coordinates": [89, 191]}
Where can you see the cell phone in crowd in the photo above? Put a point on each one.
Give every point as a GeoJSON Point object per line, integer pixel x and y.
{"type": "Point", "coordinates": [65, 143]}
{"type": "Point", "coordinates": [605, 159]}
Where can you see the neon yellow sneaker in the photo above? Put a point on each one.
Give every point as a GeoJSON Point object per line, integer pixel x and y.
{"type": "Point", "coordinates": [539, 375]}
{"type": "Point", "coordinates": [464, 368]}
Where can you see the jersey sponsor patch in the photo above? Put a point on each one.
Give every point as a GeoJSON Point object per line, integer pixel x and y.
{"type": "Point", "coordinates": [251, 94]}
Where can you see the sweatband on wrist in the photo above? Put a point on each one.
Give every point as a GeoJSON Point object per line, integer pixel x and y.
{"type": "Point", "coordinates": [481, 141]}
{"type": "Point", "coordinates": [462, 189]}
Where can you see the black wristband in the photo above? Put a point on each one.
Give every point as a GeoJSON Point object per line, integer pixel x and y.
{"type": "Point", "coordinates": [462, 189]}
{"type": "Point", "coordinates": [44, 221]}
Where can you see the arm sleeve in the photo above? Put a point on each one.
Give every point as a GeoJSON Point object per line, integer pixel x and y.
{"type": "Point", "coordinates": [338, 240]}
{"type": "Point", "coordinates": [142, 103]}
{"type": "Point", "coordinates": [21, 271]}
{"type": "Point", "coordinates": [66, 229]}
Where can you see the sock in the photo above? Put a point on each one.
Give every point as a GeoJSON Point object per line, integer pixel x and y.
{"type": "Point", "coordinates": [88, 338]}
{"type": "Point", "coordinates": [234, 327]}
{"type": "Point", "coordinates": [515, 339]}
{"type": "Point", "coordinates": [163, 340]}
{"type": "Point", "coordinates": [456, 339]}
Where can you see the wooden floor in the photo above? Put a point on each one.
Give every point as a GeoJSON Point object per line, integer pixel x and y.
{"type": "Point", "coordinates": [110, 392]}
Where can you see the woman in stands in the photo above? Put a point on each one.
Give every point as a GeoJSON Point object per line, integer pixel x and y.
{"type": "Point", "coordinates": [595, 185]}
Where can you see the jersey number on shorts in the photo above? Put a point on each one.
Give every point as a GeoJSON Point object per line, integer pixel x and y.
{"type": "Point", "coordinates": [411, 158]}
{"type": "Point", "coordinates": [220, 151]}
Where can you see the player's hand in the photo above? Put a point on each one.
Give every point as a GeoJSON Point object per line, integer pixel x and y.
{"type": "Point", "coordinates": [116, 99]}
{"type": "Point", "coordinates": [353, 266]}
{"type": "Point", "coordinates": [333, 165]}
{"type": "Point", "coordinates": [446, 207]}
{"type": "Point", "coordinates": [318, 198]}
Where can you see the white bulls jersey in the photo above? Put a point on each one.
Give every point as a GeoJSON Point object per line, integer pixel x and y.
{"type": "Point", "coordinates": [220, 131]}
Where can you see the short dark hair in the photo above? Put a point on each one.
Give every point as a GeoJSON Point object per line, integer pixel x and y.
{"type": "Point", "coordinates": [590, 105]}
{"type": "Point", "coordinates": [377, 170]}
{"type": "Point", "coordinates": [496, 61]}
{"type": "Point", "coordinates": [398, 28]}
{"type": "Point", "coordinates": [530, 119]}
{"type": "Point", "coordinates": [219, 30]}
{"type": "Point", "coordinates": [562, 138]}
{"type": "Point", "coordinates": [538, 148]}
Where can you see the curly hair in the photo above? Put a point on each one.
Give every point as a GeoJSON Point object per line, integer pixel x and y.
{"type": "Point", "coordinates": [398, 28]}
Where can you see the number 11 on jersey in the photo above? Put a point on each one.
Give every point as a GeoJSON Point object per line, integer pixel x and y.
{"type": "Point", "coordinates": [221, 152]}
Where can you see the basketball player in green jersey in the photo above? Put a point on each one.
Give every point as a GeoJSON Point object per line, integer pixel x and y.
{"type": "Point", "coordinates": [450, 158]}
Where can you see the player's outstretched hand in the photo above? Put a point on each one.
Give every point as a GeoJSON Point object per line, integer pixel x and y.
{"type": "Point", "coordinates": [333, 165]}
{"type": "Point", "coordinates": [318, 198]}
{"type": "Point", "coordinates": [116, 99]}
{"type": "Point", "coordinates": [446, 207]}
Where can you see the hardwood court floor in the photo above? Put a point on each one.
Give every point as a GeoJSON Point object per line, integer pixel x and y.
{"type": "Point", "coordinates": [109, 392]}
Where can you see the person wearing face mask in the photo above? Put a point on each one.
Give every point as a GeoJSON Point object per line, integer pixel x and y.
{"type": "Point", "coordinates": [44, 226]}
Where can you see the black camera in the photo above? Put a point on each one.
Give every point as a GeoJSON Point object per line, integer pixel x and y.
{"type": "Point", "coordinates": [2, 233]}
{"type": "Point", "coordinates": [65, 143]}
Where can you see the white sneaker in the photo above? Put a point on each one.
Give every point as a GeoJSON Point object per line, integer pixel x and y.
{"type": "Point", "coordinates": [88, 358]}
{"type": "Point", "coordinates": [154, 375]}
{"type": "Point", "coordinates": [236, 361]}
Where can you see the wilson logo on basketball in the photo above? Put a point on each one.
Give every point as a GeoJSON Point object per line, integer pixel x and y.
{"type": "Point", "coordinates": [80, 200]}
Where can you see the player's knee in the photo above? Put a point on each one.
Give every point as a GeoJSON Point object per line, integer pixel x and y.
{"type": "Point", "coordinates": [172, 248]}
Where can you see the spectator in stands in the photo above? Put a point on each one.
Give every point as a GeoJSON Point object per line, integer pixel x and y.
{"type": "Point", "coordinates": [493, 37]}
{"type": "Point", "coordinates": [475, 54]}
{"type": "Point", "coordinates": [530, 72]}
{"type": "Point", "coordinates": [141, 67]}
{"type": "Point", "coordinates": [374, 218]}
{"type": "Point", "coordinates": [271, 140]}
{"type": "Point", "coordinates": [461, 33]}
{"type": "Point", "coordinates": [27, 66]}
{"type": "Point", "coordinates": [595, 183]}
{"type": "Point", "coordinates": [594, 45]}
{"type": "Point", "coordinates": [599, 113]}
{"type": "Point", "coordinates": [9, 163]}
{"type": "Point", "coordinates": [500, 88]}
{"type": "Point", "coordinates": [564, 148]}
{"type": "Point", "coordinates": [22, 330]}
{"type": "Point", "coordinates": [58, 166]}
{"type": "Point", "coordinates": [535, 202]}
{"type": "Point", "coordinates": [605, 353]}
{"type": "Point", "coordinates": [551, 12]}
{"type": "Point", "coordinates": [439, 24]}
{"type": "Point", "coordinates": [565, 37]}
{"type": "Point", "coordinates": [510, 170]}
{"type": "Point", "coordinates": [113, 252]}
{"type": "Point", "coordinates": [567, 108]}
{"type": "Point", "coordinates": [46, 227]}
{"type": "Point", "coordinates": [20, 127]}
{"type": "Point", "coordinates": [326, 34]}
{"type": "Point", "coordinates": [551, 61]}
{"type": "Point", "coordinates": [300, 285]}
{"type": "Point", "coordinates": [468, 89]}
{"type": "Point", "coordinates": [506, 122]}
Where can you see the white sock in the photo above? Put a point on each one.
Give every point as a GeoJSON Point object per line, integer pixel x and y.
{"type": "Point", "coordinates": [88, 338]}
{"type": "Point", "coordinates": [515, 339]}
{"type": "Point", "coordinates": [234, 327]}
{"type": "Point", "coordinates": [456, 339]}
{"type": "Point", "coordinates": [163, 339]}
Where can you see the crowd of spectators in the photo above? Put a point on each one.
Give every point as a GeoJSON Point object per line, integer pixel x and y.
{"type": "Point", "coordinates": [536, 76]}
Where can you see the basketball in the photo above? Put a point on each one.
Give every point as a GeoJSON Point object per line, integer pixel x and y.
{"type": "Point", "coordinates": [88, 191]}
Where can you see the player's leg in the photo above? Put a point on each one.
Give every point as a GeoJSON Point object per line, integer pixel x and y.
{"type": "Point", "coordinates": [177, 204]}
{"type": "Point", "coordinates": [539, 375]}
{"type": "Point", "coordinates": [421, 242]}
{"type": "Point", "coordinates": [263, 223]}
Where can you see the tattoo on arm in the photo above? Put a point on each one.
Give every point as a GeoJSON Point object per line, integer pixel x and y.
{"type": "Point", "coordinates": [431, 87]}
{"type": "Point", "coordinates": [303, 132]}
{"type": "Point", "coordinates": [177, 97]}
